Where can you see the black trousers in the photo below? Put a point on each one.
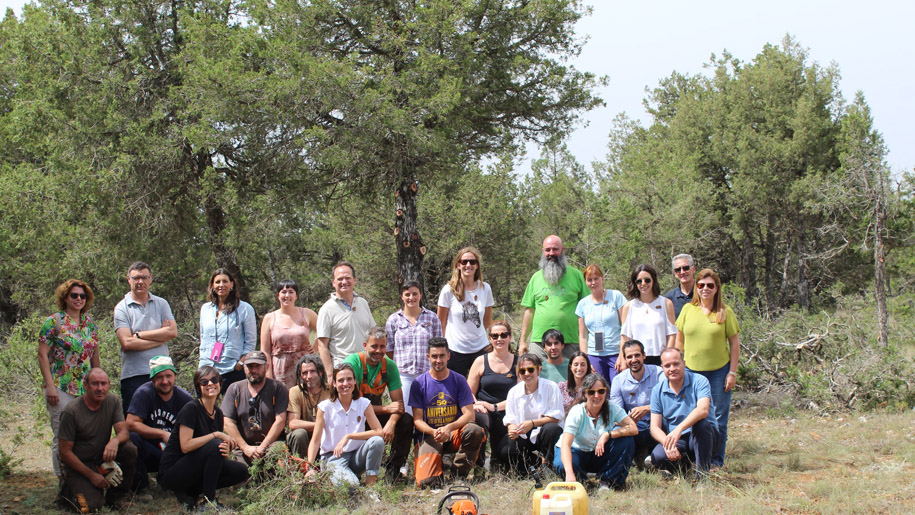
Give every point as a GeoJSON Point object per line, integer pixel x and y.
{"type": "Point", "coordinates": [202, 471]}
{"type": "Point", "coordinates": [400, 445]}
{"type": "Point", "coordinates": [519, 453]}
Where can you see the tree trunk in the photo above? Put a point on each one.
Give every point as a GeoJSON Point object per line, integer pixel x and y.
{"type": "Point", "coordinates": [410, 247]}
{"type": "Point", "coordinates": [803, 272]}
{"type": "Point", "coordinates": [880, 259]}
{"type": "Point", "coordinates": [225, 255]}
{"type": "Point", "coordinates": [748, 265]}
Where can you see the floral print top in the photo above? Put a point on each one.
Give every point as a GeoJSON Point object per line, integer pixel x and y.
{"type": "Point", "coordinates": [72, 344]}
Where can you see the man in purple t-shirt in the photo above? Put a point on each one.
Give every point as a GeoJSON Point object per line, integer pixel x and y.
{"type": "Point", "coordinates": [443, 412]}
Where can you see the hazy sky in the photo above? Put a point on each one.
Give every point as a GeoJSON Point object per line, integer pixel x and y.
{"type": "Point", "coordinates": [638, 43]}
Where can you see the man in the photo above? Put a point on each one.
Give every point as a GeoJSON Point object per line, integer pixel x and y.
{"type": "Point", "coordinates": [556, 366]}
{"type": "Point", "coordinates": [374, 373]}
{"type": "Point", "coordinates": [303, 403]}
{"type": "Point", "coordinates": [258, 405]}
{"type": "Point", "coordinates": [442, 407]}
{"type": "Point", "coordinates": [680, 421]}
{"type": "Point", "coordinates": [343, 321]}
{"type": "Point", "coordinates": [151, 416]}
{"type": "Point", "coordinates": [631, 390]}
{"type": "Point", "coordinates": [685, 272]}
{"type": "Point", "coordinates": [550, 300]}
{"type": "Point", "coordinates": [143, 324]}
{"type": "Point", "coordinates": [98, 469]}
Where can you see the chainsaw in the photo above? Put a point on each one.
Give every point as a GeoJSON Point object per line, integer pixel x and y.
{"type": "Point", "coordinates": [459, 500]}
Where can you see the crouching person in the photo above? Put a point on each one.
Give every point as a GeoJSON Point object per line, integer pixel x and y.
{"type": "Point", "coordinates": [347, 449]}
{"type": "Point", "coordinates": [597, 437]}
{"type": "Point", "coordinates": [197, 459]}
{"type": "Point", "coordinates": [310, 389]}
{"type": "Point", "coordinates": [98, 469]}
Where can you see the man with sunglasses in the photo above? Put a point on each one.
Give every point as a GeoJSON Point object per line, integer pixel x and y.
{"type": "Point", "coordinates": [680, 421]}
{"type": "Point", "coordinates": [685, 271]}
{"type": "Point", "coordinates": [143, 324]}
{"type": "Point", "coordinates": [255, 410]}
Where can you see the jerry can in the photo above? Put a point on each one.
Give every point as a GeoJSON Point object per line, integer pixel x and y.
{"type": "Point", "coordinates": [560, 498]}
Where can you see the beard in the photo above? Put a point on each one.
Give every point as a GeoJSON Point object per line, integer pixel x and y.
{"type": "Point", "coordinates": [256, 379]}
{"type": "Point", "coordinates": [553, 270]}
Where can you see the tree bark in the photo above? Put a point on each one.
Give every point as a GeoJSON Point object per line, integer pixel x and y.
{"type": "Point", "coordinates": [410, 247]}
{"type": "Point", "coordinates": [880, 258]}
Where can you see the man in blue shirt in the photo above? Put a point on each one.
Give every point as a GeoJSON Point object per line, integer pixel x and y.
{"type": "Point", "coordinates": [680, 405]}
{"type": "Point", "coordinates": [631, 390]}
{"type": "Point", "coordinates": [685, 272]}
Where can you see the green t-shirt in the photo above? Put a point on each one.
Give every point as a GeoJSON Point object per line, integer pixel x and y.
{"type": "Point", "coordinates": [393, 373]}
{"type": "Point", "coordinates": [556, 373]}
{"type": "Point", "coordinates": [705, 341]}
{"type": "Point", "coordinates": [554, 306]}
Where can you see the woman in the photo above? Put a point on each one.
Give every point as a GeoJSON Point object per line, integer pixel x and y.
{"type": "Point", "coordinates": [579, 367]}
{"type": "Point", "coordinates": [648, 317]}
{"type": "Point", "coordinates": [597, 437]}
{"type": "Point", "coordinates": [490, 378]}
{"type": "Point", "coordinates": [347, 449]}
{"type": "Point", "coordinates": [285, 334]}
{"type": "Point", "coordinates": [408, 332]}
{"type": "Point", "coordinates": [67, 350]}
{"type": "Point", "coordinates": [533, 417]}
{"type": "Point", "coordinates": [708, 335]}
{"type": "Point", "coordinates": [599, 324]}
{"type": "Point", "coordinates": [228, 329]}
{"type": "Point", "coordinates": [465, 310]}
{"type": "Point", "coordinates": [198, 459]}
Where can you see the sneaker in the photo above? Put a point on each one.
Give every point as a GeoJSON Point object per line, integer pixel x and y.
{"type": "Point", "coordinates": [649, 464]}
{"type": "Point", "coordinates": [604, 486]}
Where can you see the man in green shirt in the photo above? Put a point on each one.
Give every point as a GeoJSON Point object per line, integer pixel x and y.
{"type": "Point", "coordinates": [374, 373]}
{"type": "Point", "coordinates": [550, 300]}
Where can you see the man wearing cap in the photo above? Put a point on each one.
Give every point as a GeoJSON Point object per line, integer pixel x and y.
{"type": "Point", "coordinates": [255, 410]}
{"type": "Point", "coordinates": [151, 416]}
{"type": "Point", "coordinates": [143, 324]}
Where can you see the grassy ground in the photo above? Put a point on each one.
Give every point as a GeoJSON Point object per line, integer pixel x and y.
{"type": "Point", "coordinates": [795, 463]}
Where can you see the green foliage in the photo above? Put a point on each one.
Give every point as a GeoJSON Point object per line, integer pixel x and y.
{"type": "Point", "coordinates": [9, 459]}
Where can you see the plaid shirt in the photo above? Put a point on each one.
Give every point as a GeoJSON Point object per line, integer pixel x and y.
{"type": "Point", "coordinates": [410, 343]}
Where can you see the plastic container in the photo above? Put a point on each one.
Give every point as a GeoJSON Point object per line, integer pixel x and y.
{"type": "Point", "coordinates": [560, 498]}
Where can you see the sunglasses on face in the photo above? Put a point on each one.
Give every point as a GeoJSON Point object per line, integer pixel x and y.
{"type": "Point", "coordinates": [498, 336]}
{"type": "Point", "coordinates": [74, 295]}
{"type": "Point", "coordinates": [599, 391]}
{"type": "Point", "coordinates": [526, 370]}
{"type": "Point", "coordinates": [681, 269]}
{"type": "Point", "coordinates": [702, 286]}
{"type": "Point", "coordinates": [468, 261]}
{"type": "Point", "coordinates": [647, 280]}
{"type": "Point", "coordinates": [212, 380]}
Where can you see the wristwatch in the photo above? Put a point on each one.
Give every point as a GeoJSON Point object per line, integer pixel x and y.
{"type": "Point", "coordinates": [137, 334]}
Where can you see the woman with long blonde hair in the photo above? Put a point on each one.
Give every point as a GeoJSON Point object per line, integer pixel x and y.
{"type": "Point", "coordinates": [465, 310]}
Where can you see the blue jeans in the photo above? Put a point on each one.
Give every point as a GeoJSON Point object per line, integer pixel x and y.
{"type": "Point", "coordinates": [612, 466]}
{"type": "Point", "coordinates": [696, 446]}
{"type": "Point", "coordinates": [129, 386]}
{"type": "Point", "coordinates": [722, 401]}
{"type": "Point", "coordinates": [604, 365]}
{"type": "Point", "coordinates": [148, 456]}
{"type": "Point", "coordinates": [346, 468]}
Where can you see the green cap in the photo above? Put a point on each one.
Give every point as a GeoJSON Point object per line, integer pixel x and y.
{"type": "Point", "coordinates": [159, 364]}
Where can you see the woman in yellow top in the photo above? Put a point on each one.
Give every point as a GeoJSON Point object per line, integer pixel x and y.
{"type": "Point", "coordinates": [707, 333]}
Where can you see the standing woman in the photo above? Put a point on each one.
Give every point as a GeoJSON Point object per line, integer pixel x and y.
{"type": "Point", "coordinates": [409, 330]}
{"type": "Point", "coordinates": [579, 368]}
{"type": "Point", "coordinates": [67, 350]}
{"type": "Point", "coordinates": [648, 317]}
{"type": "Point", "coordinates": [708, 335]}
{"type": "Point", "coordinates": [228, 329]}
{"type": "Point", "coordinates": [347, 449]}
{"type": "Point", "coordinates": [597, 437]}
{"type": "Point", "coordinates": [197, 460]}
{"type": "Point", "coordinates": [533, 417]}
{"type": "Point", "coordinates": [490, 378]}
{"type": "Point", "coordinates": [465, 310]}
{"type": "Point", "coordinates": [599, 324]}
{"type": "Point", "coordinates": [285, 334]}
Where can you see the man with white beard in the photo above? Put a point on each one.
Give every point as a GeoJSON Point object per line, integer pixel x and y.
{"type": "Point", "coordinates": [550, 300]}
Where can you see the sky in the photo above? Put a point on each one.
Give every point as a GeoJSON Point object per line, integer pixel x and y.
{"type": "Point", "coordinates": [636, 44]}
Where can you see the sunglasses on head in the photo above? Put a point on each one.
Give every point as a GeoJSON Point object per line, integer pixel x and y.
{"type": "Point", "coordinates": [702, 286]}
{"type": "Point", "coordinates": [599, 391]}
{"type": "Point", "coordinates": [212, 380]}
{"type": "Point", "coordinates": [468, 261]}
{"type": "Point", "coordinates": [74, 295]}
{"type": "Point", "coordinates": [683, 268]}
{"type": "Point", "coordinates": [497, 336]}
{"type": "Point", "coordinates": [646, 280]}
{"type": "Point", "coordinates": [526, 370]}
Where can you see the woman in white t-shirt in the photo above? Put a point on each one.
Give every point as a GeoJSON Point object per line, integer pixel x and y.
{"type": "Point", "coordinates": [465, 310]}
{"type": "Point", "coordinates": [648, 317]}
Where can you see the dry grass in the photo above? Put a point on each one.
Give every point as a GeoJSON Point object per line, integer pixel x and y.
{"type": "Point", "coordinates": [800, 463]}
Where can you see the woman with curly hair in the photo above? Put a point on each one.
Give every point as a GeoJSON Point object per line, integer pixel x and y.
{"type": "Point", "coordinates": [465, 310]}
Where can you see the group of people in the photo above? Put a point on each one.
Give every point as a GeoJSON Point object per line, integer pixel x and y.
{"type": "Point", "coordinates": [598, 382]}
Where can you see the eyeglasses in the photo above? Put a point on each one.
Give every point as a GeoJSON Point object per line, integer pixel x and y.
{"type": "Point", "coordinates": [74, 295]}
{"type": "Point", "coordinates": [599, 391]}
{"type": "Point", "coordinates": [139, 278]}
{"type": "Point", "coordinates": [499, 336]}
{"type": "Point", "coordinates": [683, 268]}
{"type": "Point", "coordinates": [527, 370]}
{"type": "Point", "coordinates": [468, 261]}
{"type": "Point", "coordinates": [646, 280]}
{"type": "Point", "coordinates": [702, 286]}
{"type": "Point", "coordinates": [212, 380]}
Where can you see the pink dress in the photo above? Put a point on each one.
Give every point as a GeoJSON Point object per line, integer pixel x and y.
{"type": "Point", "coordinates": [287, 345]}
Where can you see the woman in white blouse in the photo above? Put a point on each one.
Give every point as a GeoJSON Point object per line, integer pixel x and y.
{"type": "Point", "coordinates": [533, 416]}
{"type": "Point", "coordinates": [347, 449]}
{"type": "Point", "coordinates": [648, 317]}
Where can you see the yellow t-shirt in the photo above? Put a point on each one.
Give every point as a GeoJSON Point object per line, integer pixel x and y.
{"type": "Point", "coordinates": [705, 341]}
